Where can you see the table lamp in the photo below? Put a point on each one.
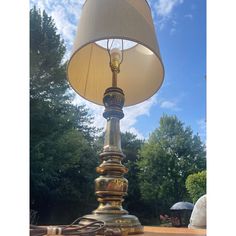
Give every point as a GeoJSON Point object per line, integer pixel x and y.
{"type": "Point", "coordinates": [115, 62]}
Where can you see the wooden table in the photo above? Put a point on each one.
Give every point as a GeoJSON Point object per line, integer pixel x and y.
{"type": "Point", "coordinates": [167, 231]}
{"type": "Point", "coordinates": [171, 231]}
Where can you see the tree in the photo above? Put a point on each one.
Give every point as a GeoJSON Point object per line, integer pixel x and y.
{"type": "Point", "coordinates": [62, 157]}
{"type": "Point", "coordinates": [196, 185]}
{"type": "Point", "coordinates": [47, 49]}
{"type": "Point", "coordinates": [62, 177]}
{"type": "Point", "coordinates": [131, 146]}
{"type": "Point", "coordinates": [165, 160]}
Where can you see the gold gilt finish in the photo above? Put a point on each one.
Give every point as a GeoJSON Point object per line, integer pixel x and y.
{"type": "Point", "coordinates": [111, 186]}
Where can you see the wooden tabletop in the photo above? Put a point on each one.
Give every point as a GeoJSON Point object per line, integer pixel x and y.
{"type": "Point", "coordinates": [171, 231]}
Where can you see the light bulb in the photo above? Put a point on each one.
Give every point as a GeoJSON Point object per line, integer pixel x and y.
{"type": "Point", "coordinates": [116, 57]}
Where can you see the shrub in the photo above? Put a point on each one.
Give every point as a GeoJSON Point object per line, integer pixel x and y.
{"type": "Point", "coordinates": [196, 185]}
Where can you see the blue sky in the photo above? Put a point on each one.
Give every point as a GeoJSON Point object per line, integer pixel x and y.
{"type": "Point", "coordinates": [181, 32]}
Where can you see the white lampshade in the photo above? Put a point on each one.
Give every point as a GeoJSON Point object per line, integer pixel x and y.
{"type": "Point", "coordinates": [141, 72]}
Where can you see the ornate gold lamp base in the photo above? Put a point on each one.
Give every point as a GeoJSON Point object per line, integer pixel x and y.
{"type": "Point", "coordinates": [128, 224]}
{"type": "Point", "coordinates": [111, 186]}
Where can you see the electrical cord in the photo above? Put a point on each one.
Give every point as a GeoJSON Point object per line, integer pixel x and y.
{"type": "Point", "coordinates": [73, 229]}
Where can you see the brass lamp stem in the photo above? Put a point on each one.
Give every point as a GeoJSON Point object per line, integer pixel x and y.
{"type": "Point", "coordinates": [115, 69]}
{"type": "Point", "coordinates": [111, 186]}
{"type": "Point", "coordinates": [114, 79]}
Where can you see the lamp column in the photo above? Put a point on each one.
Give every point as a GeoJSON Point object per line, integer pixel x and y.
{"type": "Point", "coordinates": [111, 186]}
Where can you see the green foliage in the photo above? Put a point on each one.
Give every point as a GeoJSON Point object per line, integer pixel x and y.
{"type": "Point", "coordinates": [165, 160]}
{"type": "Point", "coordinates": [196, 185]}
{"type": "Point", "coordinates": [62, 157]}
{"type": "Point", "coordinates": [130, 146]}
{"type": "Point", "coordinates": [133, 202]}
{"type": "Point", "coordinates": [47, 73]}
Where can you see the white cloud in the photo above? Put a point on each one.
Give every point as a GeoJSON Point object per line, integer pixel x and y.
{"type": "Point", "coordinates": [65, 27]}
{"type": "Point", "coordinates": [131, 114]}
{"type": "Point", "coordinates": [65, 15]}
{"type": "Point", "coordinates": [171, 105]}
{"type": "Point", "coordinates": [168, 104]}
{"type": "Point", "coordinates": [96, 111]}
{"type": "Point", "coordinates": [165, 7]}
{"type": "Point", "coordinates": [164, 10]}
{"type": "Point", "coordinates": [136, 132]}
{"type": "Point", "coordinates": [82, 2]}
